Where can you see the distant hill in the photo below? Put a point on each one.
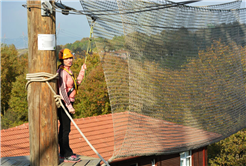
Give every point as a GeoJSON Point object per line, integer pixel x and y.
{"type": "Point", "coordinates": [22, 51]}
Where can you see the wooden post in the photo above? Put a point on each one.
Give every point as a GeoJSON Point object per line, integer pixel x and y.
{"type": "Point", "coordinates": [42, 112]}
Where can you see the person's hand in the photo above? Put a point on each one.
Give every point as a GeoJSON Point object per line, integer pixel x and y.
{"type": "Point", "coordinates": [83, 67]}
{"type": "Point", "coordinates": [72, 111]}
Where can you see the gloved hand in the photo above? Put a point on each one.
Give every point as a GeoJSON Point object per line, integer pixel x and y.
{"type": "Point", "coordinates": [72, 111]}
{"type": "Point", "coordinates": [83, 67]}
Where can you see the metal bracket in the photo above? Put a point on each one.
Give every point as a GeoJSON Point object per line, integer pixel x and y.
{"type": "Point", "coordinates": [46, 8]}
{"type": "Point", "coordinates": [65, 9]}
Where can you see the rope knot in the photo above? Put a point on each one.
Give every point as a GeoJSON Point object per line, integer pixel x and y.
{"type": "Point", "coordinates": [58, 100]}
{"type": "Point", "coordinates": [39, 77]}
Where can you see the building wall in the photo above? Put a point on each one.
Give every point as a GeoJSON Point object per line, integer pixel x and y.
{"type": "Point", "coordinates": [169, 160]}
{"type": "Point", "coordinates": [199, 158]}
{"type": "Point", "coordinates": [142, 161]}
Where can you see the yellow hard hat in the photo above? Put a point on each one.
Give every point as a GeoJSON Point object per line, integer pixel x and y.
{"type": "Point", "coordinates": [65, 53]}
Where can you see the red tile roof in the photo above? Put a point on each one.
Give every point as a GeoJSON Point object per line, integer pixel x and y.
{"type": "Point", "coordinates": [15, 141]}
{"type": "Point", "coordinates": [99, 131]}
{"type": "Point", "coordinates": [138, 135]}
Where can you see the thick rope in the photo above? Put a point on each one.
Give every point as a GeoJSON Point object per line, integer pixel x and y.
{"type": "Point", "coordinates": [39, 77]}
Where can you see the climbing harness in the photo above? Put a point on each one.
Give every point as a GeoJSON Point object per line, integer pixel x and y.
{"type": "Point", "coordinates": [75, 86]}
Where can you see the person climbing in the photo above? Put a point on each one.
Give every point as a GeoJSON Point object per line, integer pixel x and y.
{"type": "Point", "coordinates": [67, 88]}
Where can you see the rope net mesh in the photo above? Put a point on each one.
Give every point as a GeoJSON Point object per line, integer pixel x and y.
{"type": "Point", "coordinates": [175, 73]}
{"type": "Point", "coordinates": [230, 5]}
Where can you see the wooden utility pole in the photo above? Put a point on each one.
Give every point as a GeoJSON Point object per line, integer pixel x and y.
{"type": "Point", "coordinates": [42, 112]}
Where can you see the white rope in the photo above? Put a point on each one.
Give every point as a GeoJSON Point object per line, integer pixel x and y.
{"type": "Point", "coordinates": [39, 77]}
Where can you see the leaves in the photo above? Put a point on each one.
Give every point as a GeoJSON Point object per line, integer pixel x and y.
{"type": "Point", "coordinates": [92, 98]}
{"type": "Point", "coordinates": [79, 47]}
{"type": "Point", "coordinates": [13, 87]}
{"type": "Point", "coordinates": [9, 71]}
{"type": "Point", "coordinates": [230, 151]}
{"type": "Point", "coordinates": [18, 100]}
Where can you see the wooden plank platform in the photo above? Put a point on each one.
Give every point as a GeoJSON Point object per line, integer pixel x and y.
{"type": "Point", "coordinates": [25, 161]}
{"type": "Point", "coordinates": [14, 161]}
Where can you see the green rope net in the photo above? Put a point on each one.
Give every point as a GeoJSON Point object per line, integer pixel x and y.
{"type": "Point", "coordinates": [175, 73]}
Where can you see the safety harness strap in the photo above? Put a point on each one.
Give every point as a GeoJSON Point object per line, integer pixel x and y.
{"type": "Point", "coordinates": [75, 87]}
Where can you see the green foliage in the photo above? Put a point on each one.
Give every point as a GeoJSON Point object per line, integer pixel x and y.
{"type": "Point", "coordinates": [17, 111]}
{"type": "Point", "coordinates": [117, 43]}
{"type": "Point", "coordinates": [117, 81]}
{"type": "Point", "coordinates": [92, 98]}
{"type": "Point", "coordinates": [79, 47]}
{"type": "Point", "coordinates": [169, 47]}
{"type": "Point", "coordinates": [230, 151]}
{"type": "Point", "coordinates": [190, 95]}
{"type": "Point", "coordinates": [18, 100]}
{"type": "Point", "coordinates": [9, 71]}
{"type": "Point", "coordinates": [17, 114]}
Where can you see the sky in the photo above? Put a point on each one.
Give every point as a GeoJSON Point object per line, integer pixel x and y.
{"type": "Point", "coordinates": [69, 28]}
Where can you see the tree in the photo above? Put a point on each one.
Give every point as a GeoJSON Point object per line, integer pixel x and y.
{"type": "Point", "coordinates": [18, 101]}
{"type": "Point", "coordinates": [9, 71]}
{"type": "Point", "coordinates": [92, 98]}
{"type": "Point", "coordinates": [79, 47]}
{"type": "Point", "coordinates": [17, 112]}
{"type": "Point", "coordinates": [230, 151]}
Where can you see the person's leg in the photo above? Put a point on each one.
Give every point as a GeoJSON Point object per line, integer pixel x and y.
{"type": "Point", "coordinates": [63, 136]}
{"type": "Point", "coordinates": [65, 128]}
{"type": "Point", "coordinates": [60, 134]}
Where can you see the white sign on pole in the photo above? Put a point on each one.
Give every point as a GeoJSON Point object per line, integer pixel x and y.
{"type": "Point", "coordinates": [46, 42]}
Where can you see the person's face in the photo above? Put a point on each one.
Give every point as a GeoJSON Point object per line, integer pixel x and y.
{"type": "Point", "coordinates": [68, 61]}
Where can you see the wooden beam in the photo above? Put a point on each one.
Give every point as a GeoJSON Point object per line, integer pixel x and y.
{"type": "Point", "coordinates": [42, 112]}
{"type": "Point", "coordinates": [204, 156]}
